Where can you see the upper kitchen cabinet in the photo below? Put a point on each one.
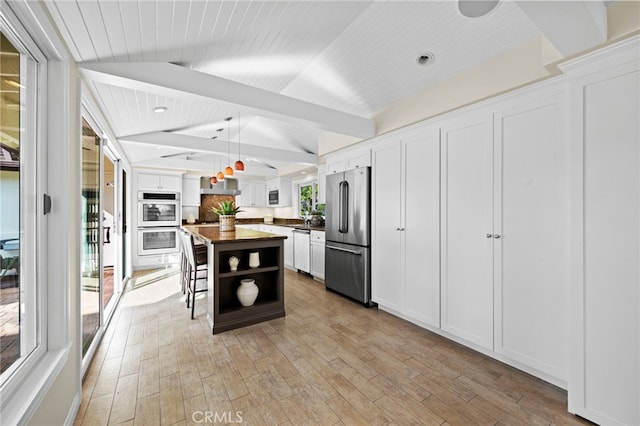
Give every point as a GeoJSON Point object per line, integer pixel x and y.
{"type": "Point", "coordinates": [605, 190]}
{"type": "Point", "coordinates": [406, 225]}
{"type": "Point", "coordinates": [190, 190]}
{"type": "Point", "coordinates": [279, 192]}
{"type": "Point", "coordinates": [322, 183]}
{"type": "Point", "coordinates": [162, 182]}
{"type": "Point", "coordinates": [252, 194]}
{"type": "Point", "coordinates": [348, 159]}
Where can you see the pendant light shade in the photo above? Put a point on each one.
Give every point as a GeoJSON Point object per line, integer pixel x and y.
{"type": "Point", "coordinates": [228, 171]}
{"type": "Point", "coordinates": [214, 180]}
{"type": "Point", "coordinates": [239, 165]}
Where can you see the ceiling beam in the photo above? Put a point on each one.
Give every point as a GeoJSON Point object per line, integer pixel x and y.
{"type": "Point", "coordinates": [204, 167]}
{"type": "Point", "coordinates": [195, 143]}
{"type": "Point", "coordinates": [183, 83]}
{"type": "Point", "coordinates": [571, 26]}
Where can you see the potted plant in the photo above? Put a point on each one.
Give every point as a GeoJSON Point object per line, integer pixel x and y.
{"type": "Point", "coordinates": [226, 210]}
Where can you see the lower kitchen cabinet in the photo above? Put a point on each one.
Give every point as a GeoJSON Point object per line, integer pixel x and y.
{"type": "Point", "coordinates": [301, 251]}
{"type": "Point", "coordinates": [288, 243]}
{"type": "Point", "coordinates": [317, 254]}
{"type": "Point", "coordinates": [405, 226]}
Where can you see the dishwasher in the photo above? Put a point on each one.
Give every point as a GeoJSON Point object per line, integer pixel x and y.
{"type": "Point", "coordinates": [302, 250]}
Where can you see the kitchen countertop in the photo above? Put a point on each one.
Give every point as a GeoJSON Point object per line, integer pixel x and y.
{"type": "Point", "coordinates": [211, 234]}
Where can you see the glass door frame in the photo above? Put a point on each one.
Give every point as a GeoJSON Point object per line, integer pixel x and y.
{"type": "Point", "coordinates": [106, 149]}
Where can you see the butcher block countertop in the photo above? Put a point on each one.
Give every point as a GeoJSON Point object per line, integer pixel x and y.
{"type": "Point", "coordinates": [212, 234]}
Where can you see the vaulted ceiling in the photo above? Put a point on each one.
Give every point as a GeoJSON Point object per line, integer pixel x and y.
{"type": "Point", "coordinates": [289, 70]}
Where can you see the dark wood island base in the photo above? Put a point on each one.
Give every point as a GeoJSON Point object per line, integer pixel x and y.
{"type": "Point", "coordinates": [224, 311]}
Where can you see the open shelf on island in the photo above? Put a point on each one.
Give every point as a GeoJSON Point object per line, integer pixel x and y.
{"type": "Point", "coordinates": [248, 271]}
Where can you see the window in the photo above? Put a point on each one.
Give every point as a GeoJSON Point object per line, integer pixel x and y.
{"type": "Point", "coordinates": [18, 227]}
{"type": "Point", "coordinates": [308, 199]}
{"type": "Point", "coordinates": [35, 153]}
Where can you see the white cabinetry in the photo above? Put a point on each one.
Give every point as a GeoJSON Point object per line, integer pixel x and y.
{"type": "Point", "coordinates": [322, 183]}
{"type": "Point", "coordinates": [252, 194]}
{"type": "Point", "coordinates": [317, 254]}
{"type": "Point", "coordinates": [159, 182]}
{"type": "Point", "coordinates": [348, 160]}
{"type": "Point", "coordinates": [301, 251]}
{"type": "Point", "coordinates": [605, 151]}
{"type": "Point", "coordinates": [283, 186]}
{"type": "Point", "coordinates": [467, 229]}
{"type": "Point", "coordinates": [531, 216]}
{"type": "Point", "coordinates": [190, 191]}
{"type": "Point", "coordinates": [405, 225]}
{"type": "Point", "coordinates": [288, 243]}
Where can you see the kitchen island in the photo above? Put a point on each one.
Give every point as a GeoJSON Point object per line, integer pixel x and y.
{"type": "Point", "coordinates": [224, 310]}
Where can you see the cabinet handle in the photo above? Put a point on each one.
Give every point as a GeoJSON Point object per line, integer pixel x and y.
{"type": "Point", "coordinates": [496, 236]}
{"type": "Point", "coordinates": [489, 235]}
{"type": "Point", "coordinates": [401, 229]}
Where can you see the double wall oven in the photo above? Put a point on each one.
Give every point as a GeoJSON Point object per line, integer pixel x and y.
{"type": "Point", "coordinates": [158, 222]}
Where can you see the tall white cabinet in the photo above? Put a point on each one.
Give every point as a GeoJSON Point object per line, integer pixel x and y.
{"type": "Point", "coordinates": [467, 228]}
{"type": "Point", "coordinates": [470, 217]}
{"type": "Point", "coordinates": [531, 216]}
{"type": "Point", "coordinates": [605, 142]}
{"type": "Point", "coordinates": [405, 219]}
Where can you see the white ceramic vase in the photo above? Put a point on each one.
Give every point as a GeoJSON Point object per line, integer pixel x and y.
{"type": "Point", "coordinates": [254, 259]}
{"type": "Point", "coordinates": [247, 292]}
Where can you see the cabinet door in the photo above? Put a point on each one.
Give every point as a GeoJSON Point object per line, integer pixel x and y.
{"type": "Point", "coordinates": [606, 298]}
{"type": "Point", "coordinates": [190, 191]}
{"type": "Point", "coordinates": [246, 194]}
{"type": "Point", "coordinates": [317, 260]}
{"type": "Point", "coordinates": [335, 165]}
{"type": "Point", "coordinates": [466, 214]}
{"type": "Point", "coordinates": [358, 159]}
{"type": "Point", "coordinates": [301, 251]}
{"type": "Point", "coordinates": [322, 183]}
{"type": "Point", "coordinates": [530, 259]}
{"type": "Point", "coordinates": [148, 181]}
{"type": "Point", "coordinates": [259, 194]}
{"type": "Point", "coordinates": [386, 261]}
{"type": "Point", "coordinates": [170, 183]}
{"type": "Point", "coordinates": [421, 224]}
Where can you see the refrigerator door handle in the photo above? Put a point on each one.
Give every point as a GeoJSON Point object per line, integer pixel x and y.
{"type": "Point", "coordinates": [357, 253]}
{"type": "Point", "coordinates": [343, 227]}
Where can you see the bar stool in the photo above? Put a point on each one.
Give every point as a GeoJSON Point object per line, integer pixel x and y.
{"type": "Point", "coordinates": [194, 262]}
{"type": "Point", "coordinates": [201, 252]}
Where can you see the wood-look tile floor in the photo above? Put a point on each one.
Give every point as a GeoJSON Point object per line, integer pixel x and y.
{"type": "Point", "coordinates": [329, 361]}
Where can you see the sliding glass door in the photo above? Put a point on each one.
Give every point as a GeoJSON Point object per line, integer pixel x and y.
{"type": "Point", "coordinates": [103, 267]}
{"type": "Point", "coordinates": [91, 257]}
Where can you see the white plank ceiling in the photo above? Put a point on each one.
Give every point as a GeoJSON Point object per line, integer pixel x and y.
{"type": "Point", "coordinates": [356, 57]}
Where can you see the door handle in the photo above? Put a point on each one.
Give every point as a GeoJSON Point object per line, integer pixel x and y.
{"type": "Point", "coordinates": [357, 253]}
{"type": "Point", "coordinates": [496, 236]}
{"type": "Point", "coordinates": [489, 236]}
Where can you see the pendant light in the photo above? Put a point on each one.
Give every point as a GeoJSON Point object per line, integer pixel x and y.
{"type": "Point", "coordinates": [214, 179]}
{"type": "Point", "coordinates": [228, 171]}
{"type": "Point", "coordinates": [219, 175]}
{"type": "Point", "coordinates": [239, 165]}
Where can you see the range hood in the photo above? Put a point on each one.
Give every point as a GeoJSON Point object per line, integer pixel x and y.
{"type": "Point", "coordinates": [229, 186]}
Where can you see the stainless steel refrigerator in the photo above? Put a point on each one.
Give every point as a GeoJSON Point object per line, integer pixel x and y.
{"type": "Point", "coordinates": [348, 234]}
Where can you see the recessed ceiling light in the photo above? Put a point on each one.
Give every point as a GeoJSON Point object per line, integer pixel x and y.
{"type": "Point", "coordinates": [304, 173]}
{"type": "Point", "coordinates": [476, 8]}
{"type": "Point", "coordinates": [160, 109]}
{"type": "Point", "coordinates": [425, 58]}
